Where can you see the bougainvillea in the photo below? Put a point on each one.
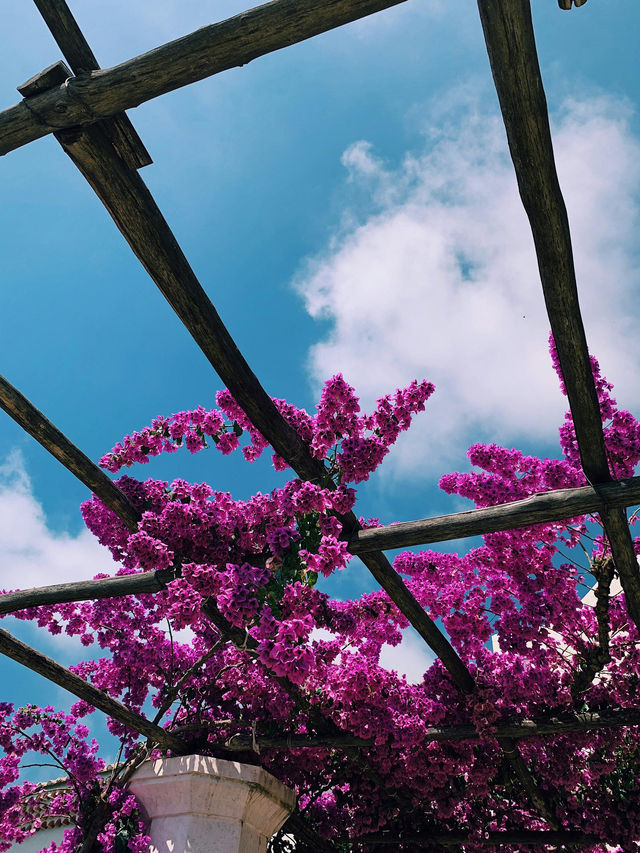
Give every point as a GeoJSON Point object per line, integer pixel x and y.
{"type": "Point", "coordinates": [512, 607]}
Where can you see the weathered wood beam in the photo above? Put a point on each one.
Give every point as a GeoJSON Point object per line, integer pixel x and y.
{"type": "Point", "coordinates": [509, 36]}
{"type": "Point", "coordinates": [556, 505]}
{"type": "Point", "coordinates": [210, 50]}
{"type": "Point", "coordinates": [140, 221]}
{"type": "Point", "coordinates": [76, 50]}
{"type": "Point", "coordinates": [90, 590]}
{"type": "Point", "coordinates": [510, 40]}
{"type": "Point", "coordinates": [543, 838]}
{"type": "Point", "coordinates": [552, 506]}
{"type": "Point", "coordinates": [60, 675]}
{"type": "Point", "coordinates": [619, 718]}
{"type": "Point", "coordinates": [46, 434]}
{"type": "Point", "coordinates": [133, 209]}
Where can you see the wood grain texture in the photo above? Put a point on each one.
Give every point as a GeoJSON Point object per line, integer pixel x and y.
{"type": "Point", "coordinates": [558, 505]}
{"type": "Point", "coordinates": [509, 36]}
{"type": "Point", "coordinates": [76, 50]}
{"type": "Point", "coordinates": [90, 590]}
{"type": "Point", "coordinates": [53, 671]}
{"type": "Point", "coordinates": [210, 50]}
{"type": "Point", "coordinates": [48, 436]}
{"type": "Point", "coordinates": [133, 209]}
{"type": "Point", "coordinates": [616, 526]}
{"type": "Point", "coordinates": [510, 40]}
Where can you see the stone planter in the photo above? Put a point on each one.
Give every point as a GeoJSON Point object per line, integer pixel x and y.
{"type": "Point", "coordinates": [198, 804]}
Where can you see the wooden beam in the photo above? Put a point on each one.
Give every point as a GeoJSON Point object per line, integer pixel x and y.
{"type": "Point", "coordinates": [140, 221]}
{"type": "Point", "coordinates": [510, 40]}
{"type": "Point", "coordinates": [46, 434]}
{"type": "Point", "coordinates": [616, 526]}
{"type": "Point", "coordinates": [508, 32]}
{"type": "Point", "coordinates": [537, 509]}
{"type": "Point", "coordinates": [133, 209]}
{"type": "Point", "coordinates": [619, 718]}
{"type": "Point", "coordinates": [208, 51]}
{"type": "Point", "coordinates": [91, 590]}
{"type": "Point", "coordinates": [530, 838]}
{"type": "Point", "coordinates": [53, 671]}
{"type": "Point", "coordinates": [76, 50]}
{"type": "Point", "coordinates": [556, 505]}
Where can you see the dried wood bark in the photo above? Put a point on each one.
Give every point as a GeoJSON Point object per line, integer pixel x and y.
{"type": "Point", "coordinates": [133, 209]}
{"type": "Point", "coordinates": [490, 839]}
{"type": "Point", "coordinates": [438, 734]}
{"type": "Point", "coordinates": [78, 53]}
{"type": "Point", "coordinates": [89, 590]}
{"type": "Point", "coordinates": [228, 44]}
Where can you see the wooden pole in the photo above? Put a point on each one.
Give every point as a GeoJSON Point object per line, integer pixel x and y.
{"type": "Point", "coordinates": [46, 434]}
{"type": "Point", "coordinates": [231, 43]}
{"type": "Point", "coordinates": [81, 59]}
{"type": "Point", "coordinates": [531, 838]}
{"type": "Point", "coordinates": [53, 671]}
{"type": "Point", "coordinates": [619, 718]}
{"type": "Point", "coordinates": [133, 209]}
{"type": "Point", "coordinates": [510, 40]}
{"type": "Point", "coordinates": [89, 590]}
{"type": "Point", "coordinates": [557, 505]}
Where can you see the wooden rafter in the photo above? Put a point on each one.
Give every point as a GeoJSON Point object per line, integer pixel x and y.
{"type": "Point", "coordinates": [208, 51]}
{"type": "Point", "coordinates": [570, 724]}
{"type": "Point", "coordinates": [532, 838]}
{"type": "Point", "coordinates": [74, 460]}
{"type": "Point", "coordinates": [538, 509]}
{"type": "Point", "coordinates": [557, 505]}
{"type": "Point", "coordinates": [63, 677]}
{"type": "Point", "coordinates": [510, 40]}
{"type": "Point", "coordinates": [85, 113]}
{"type": "Point", "coordinates": [135, 212]}
{"type": "Point", "coordinates": [81, 59]}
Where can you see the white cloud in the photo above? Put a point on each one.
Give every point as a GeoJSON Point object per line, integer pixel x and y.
{"type": "Point", "coordinates": [411, 658]}
{"type": "Point", "coordinates": [440, 280]}
{"type": "Point", "coordinates": [30, 553]}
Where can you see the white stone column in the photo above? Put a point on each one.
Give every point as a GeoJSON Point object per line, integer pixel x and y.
{"type": "Point", "coordinates": [198, 804]}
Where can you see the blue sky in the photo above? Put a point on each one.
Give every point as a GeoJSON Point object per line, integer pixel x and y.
{"type": "Point", "coordinates": [348, 205]}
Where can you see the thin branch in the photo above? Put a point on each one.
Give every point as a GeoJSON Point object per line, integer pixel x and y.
{"type": "Point", "coordinates": [597, 657]}
{"type": "Point", "coordinates": [527, 780]}
{"type": "Point", "coordinates": [209, 50]}
{"type": "Point", "coordinates": [173, 692]}
{"type": "Point", "coordinates": [53, 671]}
{"type": "Point", "coordinates": [45, 433]}
{"type": "Point", "coordinates": [553, 727]}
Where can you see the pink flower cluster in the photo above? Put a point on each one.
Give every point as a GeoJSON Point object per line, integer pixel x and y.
{"type": "Point", "coordinates": [359, 442]}
{"type": "Point", "coordinates": [511, 606]}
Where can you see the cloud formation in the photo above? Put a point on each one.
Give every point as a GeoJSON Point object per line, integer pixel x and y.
{"type": "Point", "coordinates": [30, 553]}
{"type": "Point", "coordinates": [439, 280]}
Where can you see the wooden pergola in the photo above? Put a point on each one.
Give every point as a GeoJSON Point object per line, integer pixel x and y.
{"type": "Point", "coordinates": [83, 106]}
